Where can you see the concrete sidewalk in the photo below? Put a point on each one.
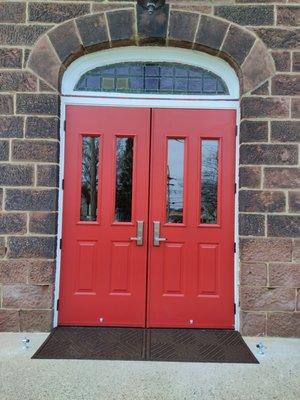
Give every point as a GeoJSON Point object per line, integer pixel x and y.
{"type": "Point", "coordinates": [277, 376]}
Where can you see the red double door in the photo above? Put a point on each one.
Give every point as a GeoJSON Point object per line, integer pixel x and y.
{"type": "Point", "coordinates": [148, 218]}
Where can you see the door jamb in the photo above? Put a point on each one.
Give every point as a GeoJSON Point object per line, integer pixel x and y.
{"type": "Point", "coordinates": [118, 101]}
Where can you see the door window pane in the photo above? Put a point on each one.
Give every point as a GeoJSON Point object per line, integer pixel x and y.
{"type": "Point", "coordinates": [124, 165]}
{"type": "Point", "coordinates": [209, 181]}
{"type": "Point", "coordinates": [89, 178]}
{"type": "Point", "coordinates": [175, 170]}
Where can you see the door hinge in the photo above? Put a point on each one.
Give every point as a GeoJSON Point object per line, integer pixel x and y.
{"type": "Point", "coordinates": [65, 125]}
{"type": "Point", "coordinates": [63, 184]}
{"type": "Point", "coordinates": [57, 304]}
{"type": "Point", "coordinates": [234, 247]}
{"type": "Point", "coordinates": [60, 243]}
{"type": "Point", "coordinates": [235, 186]}
{"type": "Point", "coordinates": [236, 130]}
{"type": "Point", "coordinates": [234, 308]}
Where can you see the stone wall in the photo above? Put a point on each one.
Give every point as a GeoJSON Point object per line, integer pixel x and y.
{"type": "Point", "coordinates": [259, 38]}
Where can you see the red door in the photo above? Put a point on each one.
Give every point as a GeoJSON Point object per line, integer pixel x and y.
{"type": "Point", "coordinates": [190, 278]}
{"type": "Point", "coordinates": [111, 218]}
{"type": "Point", "coordinates": [103, 272]}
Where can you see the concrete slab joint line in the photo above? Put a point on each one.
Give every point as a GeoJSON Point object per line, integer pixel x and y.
{"type": "Point", "coordinates": [39, 40]}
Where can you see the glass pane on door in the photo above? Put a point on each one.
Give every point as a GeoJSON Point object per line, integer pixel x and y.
{"type": "Point", "coordinates": [89, 178]}
{"type": "Point", "coordinates": [175, 185]}
{"type": "Point", "coordinates": [124, 170]}
{"type": "Point", "coordinates": [209, 181]}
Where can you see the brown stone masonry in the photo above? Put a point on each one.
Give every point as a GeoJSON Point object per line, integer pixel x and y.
{"type": "Point", "coordinates": [260, 39]}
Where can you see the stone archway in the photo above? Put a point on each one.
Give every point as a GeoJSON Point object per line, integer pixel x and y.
{"type": "Point", "coordinates": [57, 48]}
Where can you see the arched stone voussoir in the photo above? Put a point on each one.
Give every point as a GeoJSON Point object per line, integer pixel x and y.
{"type": "Point", "coordinates": [57, 48]}
{"type": "Point", "coordinates": [257, 68]}
{"type": "Point", "coordinates": [44, 62]}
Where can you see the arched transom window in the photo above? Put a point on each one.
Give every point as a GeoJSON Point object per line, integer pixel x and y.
{"type": "Point", "coordinates": [152, 77]}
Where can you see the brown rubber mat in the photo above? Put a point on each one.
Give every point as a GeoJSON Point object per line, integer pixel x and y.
{"type": "Point", "coordinates": [189, 345]}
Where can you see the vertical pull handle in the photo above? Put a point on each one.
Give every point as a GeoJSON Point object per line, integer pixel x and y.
{"type": "Point", "coordinates": [139, 233]}
{"type": "Point", "coordinates": [156, 234]}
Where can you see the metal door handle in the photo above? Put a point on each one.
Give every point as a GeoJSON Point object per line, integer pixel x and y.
{"type": "Point", "coordinates": [156, 234]}
{"type": "Point", "coordinates": [139, 233]}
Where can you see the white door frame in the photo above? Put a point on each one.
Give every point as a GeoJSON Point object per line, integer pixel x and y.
{"type": "Point", "coordinates": [105, 57]}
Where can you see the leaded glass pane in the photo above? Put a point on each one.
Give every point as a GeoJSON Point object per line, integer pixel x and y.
{"type": "Point", "coordinates": [138, 77]}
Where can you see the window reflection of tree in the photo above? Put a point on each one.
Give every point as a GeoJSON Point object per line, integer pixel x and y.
{"type": "Point", "coordinates": [89, 178]}
{"type": "Point", "coordinates": [175, 188]}
{"type": "Point", "coordinates": [209, 189]}
{"type": "Point", "coordinates": [124, 179]}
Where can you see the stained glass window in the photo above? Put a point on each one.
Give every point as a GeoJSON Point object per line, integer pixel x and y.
{"type": "Point", "coordinates": [164, 78]}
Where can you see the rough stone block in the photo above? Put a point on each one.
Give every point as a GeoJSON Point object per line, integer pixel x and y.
{"type": "Point", "coordinates": [4, 150]}
{"type": "Point", "coordinates": [35, 320]}
{"type": "Point", "coordinates": [42, 127]}
{"type": "Point", "coordinates": [2, 247]}
{"type": "Point", "coordinates": [288, 15]}
{"type": "Point", "coordinates": [250, 177]}
{"type": "Point", "coordinates": [10, 58]}
{"type": "Point", "coordinates": [41, 272]}
{"type": "Point", "coordinates": [16, 175]}
{"type": "Point", "coordinates": [282, 60]}
{"type": "Point", "coordinates": [9, 321]}
{"type": "Point", "coordinates": [12, 12]}
{"type": "Point", "coordinates": [253, 131]}
{"type": "Point", "coordinates": [283, 324]}
{"type": "Point", "coordinates": [35, 150]}
{"type": "Point", "coordinates": [20, 295]}
{"type": "Point", "coordinates": [14, 271]}
{"type": "Point", "coordinates": [276, 178]}
{"type": "Point", "coordinates": [285, 131]}
{"type": "Point", "coordinates": [31, 247]}
{"type": "Point", "coordinates": [44, 223]}
{"type": "Point", "coordinates": [31, 200]}
{"type": "Point", "coordinates": [287, 85]}
{"type": "Point", "coordinates": [17, 81]}
{"type": "Point", "coordinates": [56, 12]}
{"type": "Point", "coordinates": [11, 223]}
{"type": "Point", "coordinates": [284, 275]}
{"type": "Point", "coordinates": [294, 202]}
{"type": "Point", "coordinates": [6, 103]}
{"type": "Point", "coordinates": [21, 35]}
{"type": "Point", "coordinates": [253, 324]}
{"type": "Point", "coordinates": [296, 108]}
{"type": "Point", "coordinates": [251, 225]}
{"type": "Point", "coordinates": [283, 226]}
{"type": "Point", "coordinates": [279, 38]}
{"type": "Point", "coordinates": [296, 61]}
{"type": "Point", "coordinates": [11, 127]}
{"type": "Point", "coordinates": [47, 175]}
{"type": "Point", "coordinates": [264, 107]}
{"type": "Point", "coordinates": [254, 298]}
{"type": "Point", "coordinates": [253, 274]}
{"type": "Point", "coordinates": [266, 154]}
{"type": "Point", "coordinates": [266, 250]}
{"type": "Point", "coordinates": [261, 201]}
{"type": "Point", "coordinates": [247, 15]}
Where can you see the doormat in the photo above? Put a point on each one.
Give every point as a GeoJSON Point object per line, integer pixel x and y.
{"type": "Point", "coordinates": [153, 344]}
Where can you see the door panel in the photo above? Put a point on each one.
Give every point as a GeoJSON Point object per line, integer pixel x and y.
{"type": "Point", "coordinates": [103, 272]}
{"type": "Point", "coordinates": [190, 277]}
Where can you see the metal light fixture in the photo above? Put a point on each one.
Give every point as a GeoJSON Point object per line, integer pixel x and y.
{"type": "Point", "coordinates": [151, 5]}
